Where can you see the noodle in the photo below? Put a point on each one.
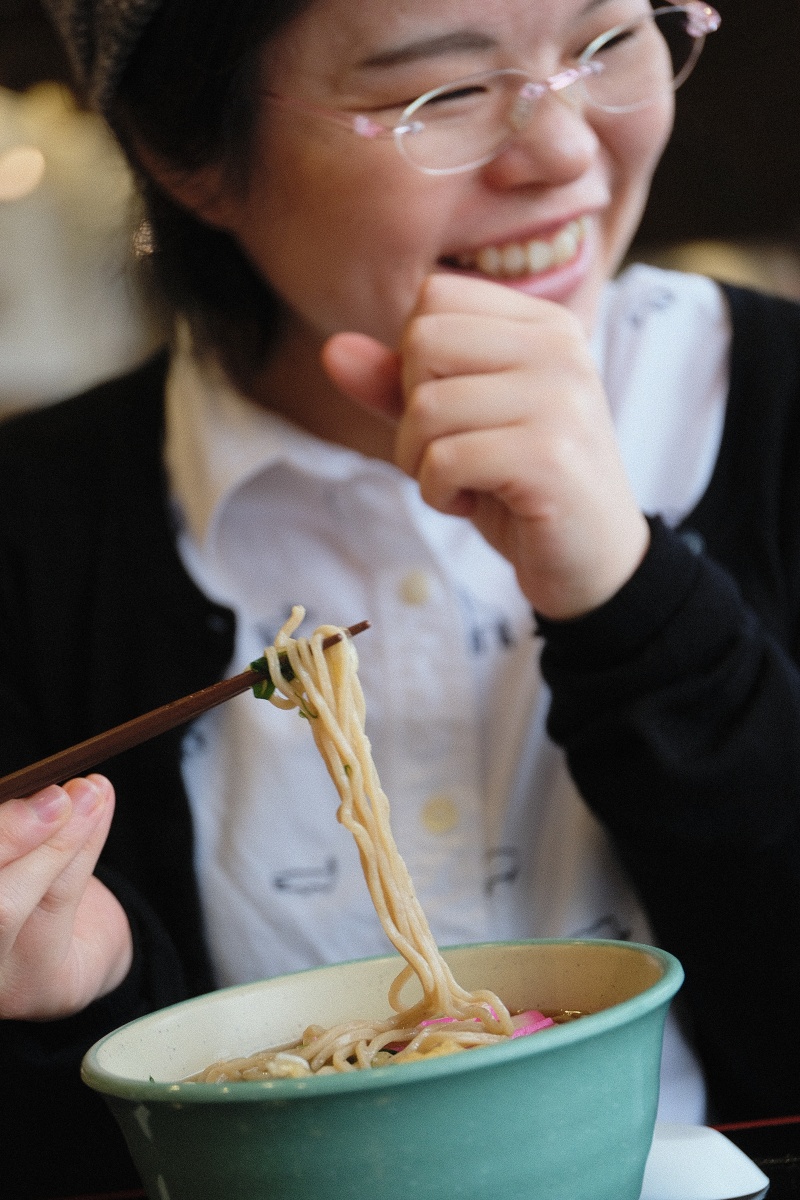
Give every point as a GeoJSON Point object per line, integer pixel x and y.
{"type": "Point", "coordinates": [324, 686]}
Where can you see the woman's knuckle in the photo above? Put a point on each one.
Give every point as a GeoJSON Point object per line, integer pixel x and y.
{"type": "Point", "coordinates": [423, 403]}
{"type": "Point", "coordinates": [440, 471]}
{"type": "Point", "coordinates": [414, 338]}
{"type": "Point", "coordinates": [11, 918]}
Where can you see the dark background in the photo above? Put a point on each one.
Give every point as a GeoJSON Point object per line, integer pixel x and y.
{"type": "Point", "coordinates": [732, 170]}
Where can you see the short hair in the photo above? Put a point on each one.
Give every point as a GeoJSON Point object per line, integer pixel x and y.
{"type": "Point", "coordinates": [190, 94]}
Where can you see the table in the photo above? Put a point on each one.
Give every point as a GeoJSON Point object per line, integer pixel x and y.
{"type": "Point", "coordinates": [775, 1146]}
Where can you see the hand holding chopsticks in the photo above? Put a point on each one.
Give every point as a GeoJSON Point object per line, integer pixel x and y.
{"type": "Point", "coordinates": [81, 758]}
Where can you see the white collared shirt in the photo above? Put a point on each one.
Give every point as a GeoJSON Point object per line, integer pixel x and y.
{"type": "Point", "coordinates": [497, 840]}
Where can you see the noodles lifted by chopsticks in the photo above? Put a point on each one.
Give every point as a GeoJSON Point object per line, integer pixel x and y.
{"type": "Point", "coordinates": [324, 685]}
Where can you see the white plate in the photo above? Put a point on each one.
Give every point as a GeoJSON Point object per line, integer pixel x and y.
{"type": "Point", "coordinates": [693, 1162]}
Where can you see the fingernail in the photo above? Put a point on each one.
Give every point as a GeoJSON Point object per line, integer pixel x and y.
{"type": "Point", "coordinates": [86, 796]}
{"type": "Point", "coordinates": [50, 804]}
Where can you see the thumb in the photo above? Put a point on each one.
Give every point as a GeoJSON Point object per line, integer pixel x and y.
{"type": "Point", "coordinates": [366, 371]}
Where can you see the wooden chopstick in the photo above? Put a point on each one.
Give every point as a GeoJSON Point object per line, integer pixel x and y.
{"type": "Point", "coordinates": [76, 760]}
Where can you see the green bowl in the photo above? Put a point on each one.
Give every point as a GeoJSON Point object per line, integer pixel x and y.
{"type": "Point", "coordinates": [564, 1114]}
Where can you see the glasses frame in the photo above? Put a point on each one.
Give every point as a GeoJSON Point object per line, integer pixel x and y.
{"type": "Point", "coordinates": [702, 20]}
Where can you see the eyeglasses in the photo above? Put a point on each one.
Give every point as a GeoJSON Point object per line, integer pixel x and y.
{"type": "Point", "coordinates": [465, 124]}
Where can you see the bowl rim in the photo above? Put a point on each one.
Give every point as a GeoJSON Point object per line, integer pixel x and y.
{"type": "Point", "coordinates": [182, 1092]}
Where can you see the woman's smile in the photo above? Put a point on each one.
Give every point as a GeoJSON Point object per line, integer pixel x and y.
{"type": "Point", "coordinates": [535, 256]}
{"type": "Point", "coordinates": [552, 266]}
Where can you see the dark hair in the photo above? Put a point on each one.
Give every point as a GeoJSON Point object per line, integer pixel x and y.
{"type": "Point", "coordinates": [189, 93]}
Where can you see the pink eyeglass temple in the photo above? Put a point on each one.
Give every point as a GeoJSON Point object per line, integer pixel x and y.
{"type": "Point", "coordinates": [702, 19]}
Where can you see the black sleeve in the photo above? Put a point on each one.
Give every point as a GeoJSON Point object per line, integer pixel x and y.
{"type": "Point", "coordinates": [85, 1151]}
{"type": "Point", "coordinates": [680, 717]}
{"type": "Point", "coordinates": [99, 623]}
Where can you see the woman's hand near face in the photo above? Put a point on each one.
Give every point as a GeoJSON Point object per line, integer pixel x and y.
{"type": "Point", "coordinates": [64, 938]}
{"type": "Point", "coordinates": [502, 418]}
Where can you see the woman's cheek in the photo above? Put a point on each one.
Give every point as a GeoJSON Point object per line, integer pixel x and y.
{"type": "Point", "coordinates": [634, 144]}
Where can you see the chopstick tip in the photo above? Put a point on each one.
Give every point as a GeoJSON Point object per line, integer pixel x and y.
{"type": "Point", "coordinates": [350, 632]}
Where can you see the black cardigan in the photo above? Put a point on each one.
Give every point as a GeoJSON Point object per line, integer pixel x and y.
{"type": "Point", "coordinates": [678, 704]}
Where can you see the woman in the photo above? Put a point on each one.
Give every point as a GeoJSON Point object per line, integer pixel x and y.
{"type": "Point", "coordinates": [403, 388]}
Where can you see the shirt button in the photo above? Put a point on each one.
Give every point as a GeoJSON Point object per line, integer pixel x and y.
{"type": "Point", "coordinates": [440, 814]}
{"type": "Point", "coordinates": [415, 588]}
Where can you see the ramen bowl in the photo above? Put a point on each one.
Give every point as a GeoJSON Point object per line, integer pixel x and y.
{"type": "Point", "coordinates": [563, 1114]}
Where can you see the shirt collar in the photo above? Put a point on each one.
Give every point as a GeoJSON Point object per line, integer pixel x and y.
{"type": "Point", "coordinates": [217, 440]}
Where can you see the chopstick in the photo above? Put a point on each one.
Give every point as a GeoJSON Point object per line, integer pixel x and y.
{"type": "Point", "coordinates": [76, 760]}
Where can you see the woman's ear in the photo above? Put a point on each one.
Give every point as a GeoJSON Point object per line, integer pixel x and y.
{"type": "Point", "coordinates": [204, 192]}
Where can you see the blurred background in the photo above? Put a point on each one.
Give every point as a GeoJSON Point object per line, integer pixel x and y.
{"type": "Point", "coordinates": [73, 310]}
{"type": "Point", "coordinates": [726, 198]}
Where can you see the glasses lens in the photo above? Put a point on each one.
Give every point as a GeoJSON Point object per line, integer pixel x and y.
{"type": "Point", "coordinates": [460, 126]}
{"type": "Point", "coordinates": [463, 125]}
{"type": "Point", "coordinates": [641, 62]}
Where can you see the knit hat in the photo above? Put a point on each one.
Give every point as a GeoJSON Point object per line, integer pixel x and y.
{"type": "Point", "coordinates": [100, 36]}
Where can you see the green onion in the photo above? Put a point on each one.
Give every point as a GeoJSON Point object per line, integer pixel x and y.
{"type": "Point", "coordinates": [264, 688]}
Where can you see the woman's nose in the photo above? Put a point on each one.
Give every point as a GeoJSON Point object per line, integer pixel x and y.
{"type": "Point", "coordinates": [553, 145]}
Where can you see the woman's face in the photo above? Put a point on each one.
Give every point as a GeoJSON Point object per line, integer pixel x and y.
{"type": "Point", "coordinates": [345, 230]}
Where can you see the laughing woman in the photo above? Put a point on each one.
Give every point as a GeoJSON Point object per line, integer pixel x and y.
{"type": "Point", "coordinates": [407, 384]}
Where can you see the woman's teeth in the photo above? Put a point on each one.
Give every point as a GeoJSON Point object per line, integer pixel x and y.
{"type": "Point", "coordinates": [528, 258]}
